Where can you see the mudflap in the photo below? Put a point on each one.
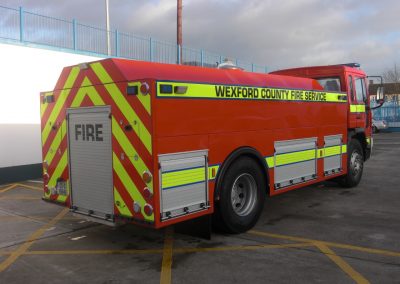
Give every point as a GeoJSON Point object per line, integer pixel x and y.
{"type": "Point", "coordinates": [198, 227]}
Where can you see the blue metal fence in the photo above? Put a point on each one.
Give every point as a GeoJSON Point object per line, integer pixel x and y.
{"type": "Point", "coordinates": [26, 27]}
{"type": "Point", "coordinates": [390, 112]}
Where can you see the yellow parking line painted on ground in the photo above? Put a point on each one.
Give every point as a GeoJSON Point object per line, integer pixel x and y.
{"type": "Point", "coordinates": [104, 251]}
{"type": "Point", "coordinates": [167, 256]}
{"type": "Point", "coordinates": [37, 218]}
{"type": "Point", "coordinates": [30, 241]}
{"type": "Point", "coordinates": [8, 188]}
{"type": "Point", "coordinates": [30, 187]}
{"type": "Point", "coordinates": [330, 244]}
{"type": "Point", "coordinates": [159, 251]}
{"type": "Point", "coordinates": [19, 198]}
{"type": "Point", "coordinates": [238, 248]}
{"type": "Point", "coordinates": [357, 277]}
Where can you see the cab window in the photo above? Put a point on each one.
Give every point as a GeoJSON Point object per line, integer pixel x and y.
{"type": "Point", "coordinates": [351, 88]}
{"type": "Point", "coordinates": [360, 89]}
{"type": "Point", "coordinates": [330, 84]}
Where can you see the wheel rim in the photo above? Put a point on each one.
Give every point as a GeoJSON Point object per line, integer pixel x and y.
{"type": "Point", "coordinates": [244, 194]}
{"type": "Point", "coordinates": [356, 164]}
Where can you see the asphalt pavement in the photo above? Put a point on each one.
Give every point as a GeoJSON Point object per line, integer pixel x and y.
{"type": "Point", "coordinates": [319, 234]}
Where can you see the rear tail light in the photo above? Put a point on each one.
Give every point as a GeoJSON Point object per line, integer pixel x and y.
{"type": "Point", "coordinates": [148, 209]}
{"type": "Point", "coordinates": [147, 177]}
{"type": "Point", "coordinates": [136, 207]}
{"type": "Point", "coordinates": [144, 88]}
{"type": "Point", "coordinates": [147, 193]}
{"type": "Point", "coordinates": [46, 178]}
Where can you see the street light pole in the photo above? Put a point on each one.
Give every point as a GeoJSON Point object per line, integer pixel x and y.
{"type": "Point", "coordinates": [108, 29]}
{"type": "Point", "coordinates": [179, 30]}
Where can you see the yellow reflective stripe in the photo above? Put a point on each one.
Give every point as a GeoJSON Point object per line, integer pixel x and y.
{"type": "Point", "coordinates": [56, 143]}
{"type": "Point", "coordinates": [270, 162]}
{"type": "Point", "coordinates": [58, 171]}
{"type": "Point", "coordinates": [122, 104]}
{"type": "Point", "coordinates": [130, 186]}
{"type": "Point", "coordinates": [183, 177]}
{"type": "Point", "coordinates": [60, 103]}
{"type": "Point", "coordinates": [87, 89]}
{"type": "Point", "coordinates": [210, 172]}
{"type": "Point", "coordinates": [43, 106]}
{"type": "Point", "coordinates": [290, 158]}
{"type": "Point", "coordinates": [129, 150]}
{"type": "Point", "coordinates": [144, 99]}
{"type": "Point", "coordinates": [332, 151]}
{"type": "Point", "coordinates": [320, 153]}
{"type": "Point", "coordinates": [357, 108]}
{"type": "Point", "coordinates": [368, 139]}
{"type": "Point", "coordinates": [62, 131]}
{"type": "Point", "coordinates": [211, 91]}
{"type": "Point", "coordinates": [120, 203]}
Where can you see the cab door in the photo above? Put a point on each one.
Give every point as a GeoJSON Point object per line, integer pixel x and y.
{"type": "Point", "coordinates": [352, 102]}
{"type": "Point", "coordinates": [361, 97]}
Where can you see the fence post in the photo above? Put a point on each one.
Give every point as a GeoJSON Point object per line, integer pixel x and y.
{"type": "Point", "coordinates": [116, 43]}
{"type": "Point", "coordinates": [74, 34]}
{"type": "Point", "coordinates": [220, 59]}
{"type": "Point", "coordinates": [151, 50]}
{"type": "Point", "coordinates": [21, 24]}
{"type": "Point", "coordinates": [202, 58]}
{"type": "Point", "coordinates": [252, 67]}
{"type": "Point", "coordinates": [266, 69]}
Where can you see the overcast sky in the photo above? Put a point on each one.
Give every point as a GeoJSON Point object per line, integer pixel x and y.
{"type": "Point", "coordinates": [275, 33]}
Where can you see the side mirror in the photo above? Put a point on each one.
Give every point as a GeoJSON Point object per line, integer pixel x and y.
{"type": "Point", "coordinates": [380, 94]}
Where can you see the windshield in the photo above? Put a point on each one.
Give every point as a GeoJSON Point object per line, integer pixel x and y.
{"type": "Point", "coordinates": [330, 84]}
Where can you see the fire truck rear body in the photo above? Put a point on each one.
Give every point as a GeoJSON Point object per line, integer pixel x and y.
{"type": "Point", "coordinates": [151, 143]}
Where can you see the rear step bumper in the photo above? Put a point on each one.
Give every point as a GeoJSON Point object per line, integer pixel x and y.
{"type": "Point", "coordinates": [94, 218]}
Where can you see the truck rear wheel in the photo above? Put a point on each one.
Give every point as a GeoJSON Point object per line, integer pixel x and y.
{"type": "Point", "coordinates": [355, 164]}
{"type": "Point", "coordinates": [241, 197]}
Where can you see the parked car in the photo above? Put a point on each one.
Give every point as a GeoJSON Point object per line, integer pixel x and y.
{"type": "Point", "coordinates": [378, 125]}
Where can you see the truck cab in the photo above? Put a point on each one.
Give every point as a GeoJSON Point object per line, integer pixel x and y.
{"type": "Point", "coordinates": [350, 79]}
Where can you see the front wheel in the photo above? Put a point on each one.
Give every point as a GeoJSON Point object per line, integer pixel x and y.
{"type": "Point", "coordinates": [355, 164]}
{"type": "Point", "coordinates": [241, 196]}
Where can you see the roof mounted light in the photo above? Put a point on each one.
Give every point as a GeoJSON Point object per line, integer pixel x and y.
{"type": "Point", "coordinates": [84, 66]}
{"type": "Point", "coordinates": [353, 65]}
{"type": "Point", "coordinates": [228, 64]}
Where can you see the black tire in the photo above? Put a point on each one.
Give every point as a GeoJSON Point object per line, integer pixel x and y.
{"type": "Point", "coordinates": [355, 164]}
{"type": "Point", "coordinates": [237, 188]}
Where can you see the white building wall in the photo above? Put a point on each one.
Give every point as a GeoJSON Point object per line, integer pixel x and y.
{"type": "Point", "coordinates": [24, 73]}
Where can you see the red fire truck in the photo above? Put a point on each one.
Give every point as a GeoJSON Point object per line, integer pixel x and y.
{"type": "Point", "coordinates": [159, 144]}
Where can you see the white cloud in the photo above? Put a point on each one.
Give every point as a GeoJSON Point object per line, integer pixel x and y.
{"type": "Point", "coordinates": [267, 32]}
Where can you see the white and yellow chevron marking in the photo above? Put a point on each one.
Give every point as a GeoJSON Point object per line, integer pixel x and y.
{"type": "Point", "coordinates": [120, 203]}
{"type": "Point", "coordinates": [130, 151]}
{"type": "Point", "coordinates": [122, 103]}
{"type": "Point", "coordinates": [59, 104]}
{"type": "Point", "coordinates": [130, 186]}
{"type": "Point", "coordinates": [145, 100]}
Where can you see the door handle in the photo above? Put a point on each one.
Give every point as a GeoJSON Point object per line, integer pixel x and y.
{"type": "Point", "coordinates": [358, 116]}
